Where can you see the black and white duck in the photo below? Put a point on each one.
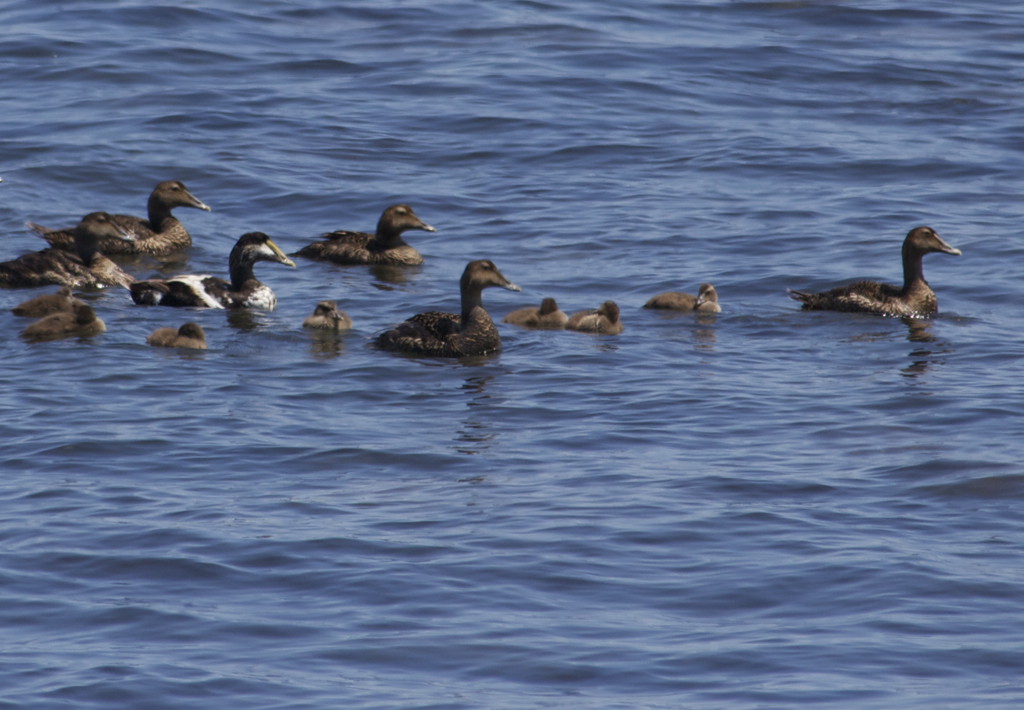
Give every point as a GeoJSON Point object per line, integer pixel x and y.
{"type": "Point", "coordinates": [205, 291]}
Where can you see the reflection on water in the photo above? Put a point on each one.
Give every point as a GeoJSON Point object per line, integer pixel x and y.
{"type": "Point", "coordinates": [325, 344]}
{"type": "Point", "coordinates": [704, 336]}
{"type": "Point", "coordinates": [392, 274]}
{"type": "Point", "coordinates": [245, 319]}
{"type": "Point", "coordinates": [475, 436]}
{"type": "Point", "coordinates": [919, 331]}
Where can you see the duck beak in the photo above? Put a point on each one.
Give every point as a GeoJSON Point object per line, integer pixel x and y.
{"type": "Point", "coordinates": [945, 248]}
{"type": "Point", "coordinates": [196, 203]}
{"type": "Point", "coordinates": [280, 255]}
{"type": "Point", "coordinates": [425, 227]}
{"type": "Point", "coordinates": [123, 233]}
{"type": "Point", "coordinates": [511, 286]}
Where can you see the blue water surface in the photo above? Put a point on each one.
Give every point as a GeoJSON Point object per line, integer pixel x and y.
{"type": "Point", "coordinates": [767, 508]}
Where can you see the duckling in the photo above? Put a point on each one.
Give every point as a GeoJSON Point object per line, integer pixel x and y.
{"type": "Point", "coordinates": [326, 316]}
{"type": "Point", "coordinates": [547, 317]}
{"type": "Point", "coordinates": [189, 335]}
{"type": "Point", "coordinates": [204, 291]}
{"type": "Point", "coordinates": [80, 321]}
{"type": "Point", "coordinates": [435, 334]}
{"type": "Point", "coordinates": [45, 305]}
{"type": "Point", "coordinates": [161, 234]}
{"type": "Point", "coordinates": [706, 300]}
{"type": "Point", "coordinates": [86, 267]}
{"type": "Point", "coordinates": [603, 320]}
{"type": "Point", "coordinates": [914, 300]}
{"type": "Point", "coordinates": [386, 246]}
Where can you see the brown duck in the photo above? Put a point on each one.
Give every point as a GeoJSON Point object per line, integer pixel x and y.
{"type": "Point", "coordinates": [603, 320]}
{"type": "Point", "coordinates": [706, 300]}
{"type": "Point", "coordinates": [80, 321]}
{"type": "Point", "coordinates": [45, 305]}
{"type": "Point", "coordinates": [472, 332]}
{"type": "Point", "coordinates": [914, 300]}
{"type": "Point", "coordinates": [326, 316]}
{"type": "Point", "coordinates": [87, 266]}
{"type": "Point", "coordinates": [385, 246]}
{"type": "Point", "coordinates": [189, 335]}
{"type": "Point", "coordinates": [161, 234]}
{"type": "Point", "coordinates": [547, 317]}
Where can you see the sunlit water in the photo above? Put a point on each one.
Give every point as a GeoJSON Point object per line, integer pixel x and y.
{"type": "Point", "coordinates": [763, 509]}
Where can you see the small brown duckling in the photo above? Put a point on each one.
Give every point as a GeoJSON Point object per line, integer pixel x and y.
{"type": "Point", "coordinates": [326, 316]}
{"type": "Point", "coordinates": [603, 320]}
{"type": "Point", "coordinates": [80, 321]}
{"type": "Point", "coordinates": [706, 300]}
{"type": "Point", "coordinates": [45, 305]}
{"type": "Point", "coordinates": [547, 317]}
{"type": "Point", "coordinates": [190, 335]}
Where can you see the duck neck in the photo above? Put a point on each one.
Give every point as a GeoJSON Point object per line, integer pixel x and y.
{"type": "Point", "coordinates": [913, 273]}
{"type": "Point", "coordinates": [158, 213]}
{"type": "Point", "coordinates": [471, 299]}
{"type": "Point", "coordinates": [240, 273]}
{"type": "Point", "coordinates": [387, 237]}
{"type": "Point", "coordinates": [87, 248]}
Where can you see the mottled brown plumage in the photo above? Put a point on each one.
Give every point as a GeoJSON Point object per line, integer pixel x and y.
{"type": "Point", "coordinates": [161, 234]}
{"type": "Point", "coordinates": [80, 321]}
{"type": "Point", "coordinates": [87, 266]}
{"type": "Point", "coordinates": [189, 335]}
{"type": "Point", "coordinates": [706, 300]}
{"type": "Point", "coordinates": [603, 320]}
{"type": "Point", "coordinates": [914, 300]}
{"type": "Point", "coordinates": [547, 317]}
{"type": "Point", "coordinates": [204, 291]}
{"type": "Point", "coordinates": [326, 316]}
{"type": "Point", "coordinates": [385, 246]}
{"type": "Point", "coordinates": [436, 334]}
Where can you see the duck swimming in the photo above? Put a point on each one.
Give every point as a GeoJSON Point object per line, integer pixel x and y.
{"type": "Point", "coordinates": [706, 300]}
{"type": "Point", "coordinates": [386, 246]}
{"type": "Point", "coordinates": [435, 334]}
{"type": "Point", "coordinates": [161, 234]}
{"type": "Point", "coordinates": [204, 291]}
{"type": "Point", "coordinates": [189, 335]}
{"type": "Point", "coordinates": [546, 317]}
{"type": "Point", "coordinates": [45, 305]}
{"type": "Point", "coordinates": [326, 316]}
{"type": "Point", "coordinates": [87, 266]}
{"type": "Point", "coordinates": [80, 321]}
{"type": "Point", "coordinates": [603, 320]}
{"type": "Point", "coordinates": [914, 300]}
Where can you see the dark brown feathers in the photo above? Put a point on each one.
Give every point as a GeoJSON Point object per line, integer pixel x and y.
{"type": "Point", "coordinates": [914, 299]}
{"type": "Point", "coordinates": [436, 334]}
{"type": "Point", "coordinates": [161, 234]}
{"type": "Point", "coordinates": [385, 246]}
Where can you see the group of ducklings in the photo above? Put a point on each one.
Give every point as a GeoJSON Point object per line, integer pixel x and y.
{"type": "Point", "coordinates": [77, 258]}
